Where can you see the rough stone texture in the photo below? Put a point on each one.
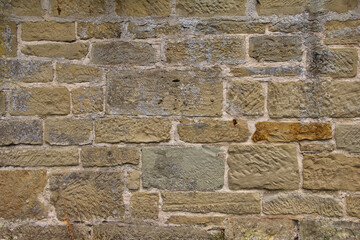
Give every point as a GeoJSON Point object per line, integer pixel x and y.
{"type": "Point", "coordinates": [2, 102]}
{"type": "Point", "coordinates": [48, 31]}
{"type": "Point", "coordinates": [268, 71]}
{"type": "Point", "coordinates": [340, 6]}
{"type": "Point", "coordinates": [333, 171]}
{"type": "Point", "coordinates": [144, 205]}
{"type": "Point", "coordinates": [205, 8]}
{"type": "Point", "coordinates": [20, 190]}
{"type": "Point", "coordinates": [85, 195]}
{"type": "Point", "coordinates": [292, 25]}
{"type": "Point", "coordinates": [87, 100]}
{"type": "Point", "coordinates": [198, 202]}
{"type": "Point", "coordinates": [109, 156]}
{"type": "Point", "coordinates": [229, 27]}
{"type": "Point", "coordinates": [21, 132]}
{"type": "Point", "coordinates": [212, 131]}
{"type": "Point", "coordinates": [21, 8]}
{"type": "Point", "coordinates": [157, 92]}
{"type": "Point", "coordinates": [67, 131]}
{"type": "Point", "coordinates": [192, 220]}
{"type": "Point", "coordinates": [297, 204]}
{"type": "Point", "coordinates": [333, 62]}
{"type": "Point", "coordinates": [183, 168]}
{"type": "Point", "coordinates": [104, 30]}
{"type": "Point", "coordinates": [317, 147]}
{"type": "Point", "coordinates": [114, 130]}
{"type": "Point", "coordinates": [245, 98]}
{"type": "Point", "coordinates": [72, 73]}
{"type": "Point", "coordinates": [291, 131]}
{"type": "Point", "coordinates": [8, 39]}
{"type": "Point", "coordinates": [324, 230]}
{"type": "Point", "coordinates": [69, 51]}
{"type": "Point", "coordinates": [271, 167]}
{"type": "Point", "coordinates": [46, 157]}
{"type": "Point", "coordinates": [127, 53]}
{"type": "Point", "coordinates": [353, 205]}
{"type": "Point", "coordinates": [143, 8]}
{"type": "Point", "coordinates": [143, 31]}
{"type": "Point", "coordinates": [224, 50]}
{"type": "Point", "coordinates": [237, 228]}
{"type": "Point", "coordinates": [340, 33]}
{"type": "Point", "coordinates": [275, 48]}
{"type": "Point", "coordinates": [26, 71]}
{"type": "Point", "coordinates": [40, 101]}
{"type": "Point", "coordinates": [347, 137]}
{"type": "Point", "coordinates": [313, 99]}
{"type": "Point", "coordinates": [77, 9]}
{"type": "Point", "coordinates": [133, 180]}
{"type": "Point", "coordinates": [281, 7]}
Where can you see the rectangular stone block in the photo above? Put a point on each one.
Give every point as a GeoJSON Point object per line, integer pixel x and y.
{"type": "Point", "coordinates": [340, 6]}
{"type": "Point", "coordinates": [353, 205]}
{"type": "Point", "coordinates": [74, 73]}
{"type": "Point", "coordinates": [21, 132]}
{"type": "Point", "coordinates": [151, 30]}
{"type": "Point", "coordinates": [245, 98]}
{"type": "Point", "coordinates": [342, 33]}
{"type": "Point", "coordinates": [68, 131]}
{"type": "Point", "coordinates": [212, 131]}
{"type": "Point", "coordinates": [143, 8]}
{"type": "Point", "coordinates": [317, 147]}
{"type": "Point", "coordinates": [293, 25]}
{"type": "Point", "coordinates": [40, 101]}
{"type": "Point", "coordinates": [21, 8]}
{"type": "Point", "coordinates": [69, 51]}
{"type": "Point", "coordinates": [291, 131]}
{"type": "Point", "coordinates": [331, 171]}
{"type": "Point", "coordinates": [46, 157]}
{"type": "Point", "coordinates": [126, 53]}
{"type": "Point", "coordinates": [87, 30]}
{"type": "Point", "coordinates": [115, 130]}
{"type": "Point", "coordinates": [20, 190]}
{"type": "Point", "coordinates": [219, 50]}
{"type": "Point", "coordinates": [8, 38]}
{"type": "Point", "coordinates": [2, 103]}
{"type": "Point", "coordinates": [78, 9]}
{"type": "Point", "coordinates": [281, 7]}
{"type": "Point", "coordinates": [109, 156]}
{"type": "Point", "coordinates": [133, 180]}
{"type": "Point", "coordinates": [285, 71]}
{"type": "Point", "coordinates": [275, 48]}
{"type": "Point", "coordinates": [229, 27]}
{"type": "Point", "coordinates": [159, 92]}
{"type": "Point", "coordinates": [206, 8]}
{"type": "Point", "coordinates": [86, 195]}
{"type": "Point", "coordinates": [144, 205]}
{"type": "Point", "coordinates": [197, 202]}
{"type": "Point", "coordinates": [313, 99]}
{"type": "Point", "coordinates": [271, 167]}
{"type": "Point", "coordinates": [27, 71]}
{"type": "Point", "coordinates": [87, 100]}
{"type": "Point", "coordinates": [177, 168]}
{"type": "Point", "coordinates": [195, 220]}
{"type": "Point", "coordinates": [48, 31]}
{"type": "Point", "coordinates": [347, 137]}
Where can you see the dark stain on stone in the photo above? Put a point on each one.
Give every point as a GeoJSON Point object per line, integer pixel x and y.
{"type": "Point", "coordinates": [234, 121]}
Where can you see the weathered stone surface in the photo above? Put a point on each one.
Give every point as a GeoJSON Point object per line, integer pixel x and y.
{"type": "Point", "coordinates": [237, 228]}
{"type": "Point", "coordinates": [205, 8]}
{"type": "Point", "coordinates": [88, 30]}
{"type": "Point", "coordinates": [333, 171]}
{"type": "Point", "coordinates": [229, 27]}
{"type": "Point", "coordinates": [21, 132]}
{"type": "Point", "coordinates": [8, 39]}
{"type": "Point", "coordinates": [340, 6]}
{"type": "Point", "coordinates": [224, 50]}
{"type": "Point", "coordinates": [20, 190]}
{"type": "Point", "coordinates": [109, 156]}
{"type": "Point", "coordinates": [85, 195]}
{"type": "Point", "coordinates": [264, 166]}
{"type": "Point", "coordinates": [21, 8]}
{"type": "Point", "coordinates": [57, 50]}
{"type": "Point", "coordinates": [143, 8]}
{"type": "Point", "coordinates": [339, 33]}
{"type": "Point", "coordinates": [128, 53]}
{"type": "Point", "coordinates": [78, 9]}
{"type": "Point", "coordinates": [49, 31]}
{"type": "Point", "coordinates": [353, 205]}
{"type": "Point", "coordinates": [48, 157]}
{"type": "Point", "coordinates": [317, 147]}
{"type": "Point", "coordinates": [195, 220]}
{"type": "Point", "coordinates": [212, 131]}
{"type": "Point", "coordinates": [291, 131]}
{"type": "Point", "coordinates": [87, 100]}
{"type": "Point", "coordinates": [40, 101]}
{"type": "Point", "coordinates": [297, 24]}
{"type": "Point", "coordinates": [268, 71]}
{"type": "Point", "coordinates": [281, 7]}
{"type": "Point", "coordinates": [333, 62]}
{"type": "Point", "coordinates": [67, 131]}
{"type": "Point", "coordinates": [324, 230]}
{"type": "Point", "coordinates": [2, 102]}
{"type": "Point", "coordinates": [142, 31]}
{"type": "Point", "coordinates": [297, 204]}
{"type": "Point", "coordinates": [245, 98]}
{"type": "Point", "coordinates": [150, 232]}
{"type": "Point", "coordinates": [26, 71]}
{"type": "Point", "coordinates": [313, 99]}
{"type": "Point", "coordinates": [114, 130]}
{"type": "Point", "coordinates": [183, 168]}
{"type": "Point", "coordinates": [144, 205]}
{"type": "Point", "coordinates": [159, 92]}
{"type": "Point", "coordinates": [73, 73]}
{"type": "Point", "coordinates": [133, 180]}
{"type": "Point", "coordinates": [275, 48]}
{"type": "Point", "coordinates": [347, 137]}
{"type": "Point", "coordinates": [198, 202]}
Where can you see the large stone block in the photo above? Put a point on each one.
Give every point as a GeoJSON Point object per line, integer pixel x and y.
{"type": "Point", "coordinates": [353, 205]}
{"type": "Point", "coordinates": [48, 31]}
{"type": "Point", "coordinates": [206, 8]}
{"type": "Point", "coordinates": [78, 9]}
{"type": "Point", "coordinates": [21, 8]}
{"type": "Point", "coordinates": [342, 33]}
{"type": "Point", "coordinates": [284, 71]}
{"type": "Point", "coordinates": [143, 8]}
{"type": "Point", "coordinates": [151, 30]}
{"type": "Point", "coordinates": [74, 73]}
{"type": "Point", "coordinates": [196, 220]}
{"type": "Point", "coordinates": [347, 137]}
{"type": "Point", "coordinates": [340, 6]}
{"type": "Point", "coordinates": [229, 27]}
{"type": "Point", "coordinates": [281, 7]}
{"type": "Point", "coordinates": [87, 100]}
{"type": "Point", "coordinates": [144, 205]}
{"type": "Point", "coordinates": [104, 30]}
{"type": "Point", "coordinates": [8, 39]}
{"type": "Point", "coordinates": [21, 132]}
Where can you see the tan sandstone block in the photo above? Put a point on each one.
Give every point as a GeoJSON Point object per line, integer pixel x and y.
{"type": "Point", "coordinates": [143, 8]}
{"type": "Point", "coordinates": [104, 30]}
{"type": "Point", "coordinates": [87, 100]}
{"type": "Point", "coordinates": [206, 8]}
{"type": "Point", "coordinates": [48, 31]}
{"type": "Point", "coordinates": [144, 205]}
